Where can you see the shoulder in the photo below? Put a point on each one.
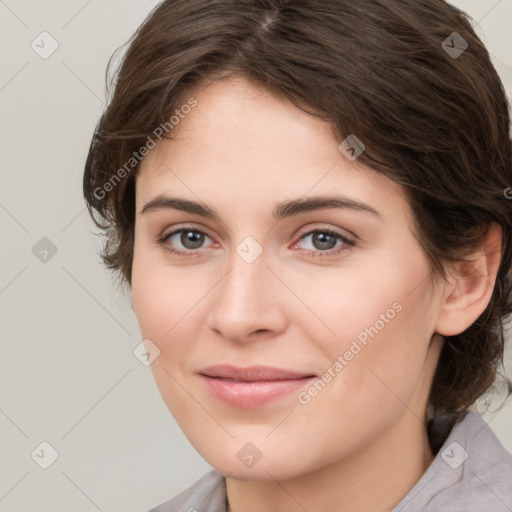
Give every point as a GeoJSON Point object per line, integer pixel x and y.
{"type": "Point", "coordinates": [208, 494]}
{"type": "Point", "coordinates": [472, 471]}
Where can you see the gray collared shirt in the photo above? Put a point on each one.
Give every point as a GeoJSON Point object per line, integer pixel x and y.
{"type": "Point", "coordinates": [471, 472]}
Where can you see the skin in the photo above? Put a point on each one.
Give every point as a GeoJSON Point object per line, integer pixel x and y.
{"type": "Point", "coordinates": [361, 442]}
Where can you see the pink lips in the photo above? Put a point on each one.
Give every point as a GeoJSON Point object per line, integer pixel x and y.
{"type": "Point", "coordinates": [251, 386]}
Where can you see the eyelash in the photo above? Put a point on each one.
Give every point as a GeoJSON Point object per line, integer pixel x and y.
{"type": "Point", "coordinates": [347, 243]}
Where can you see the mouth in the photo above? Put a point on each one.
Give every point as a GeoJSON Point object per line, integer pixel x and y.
{"type": "Point", "coordinates": [253, 386]}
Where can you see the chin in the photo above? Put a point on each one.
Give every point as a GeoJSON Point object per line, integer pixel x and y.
{"type": "Point", "coordinates": [259, 472]}
{"type": "Point", "coordinates": [269, 462]}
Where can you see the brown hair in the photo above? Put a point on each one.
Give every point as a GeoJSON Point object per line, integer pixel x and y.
{"type": "Point", "coordinates": [434, 121]}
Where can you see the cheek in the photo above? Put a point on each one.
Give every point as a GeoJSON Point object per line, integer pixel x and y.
{"type": "Point", "coordinates": [155, 293]}
{"type": "Point", "coordinates": [376, 382]}
{"type": "Point", "coordinates": [167, 304]}
{"type": "Point", "coordinates": [161, 306]}
{"type": "Point", "coordinates": [163, 312]}
{"type": "Point", "coordinates": [364, 303]}
{"type": "Point", "coordinates": [384, 373]}
{"type": "Point", "coordinates": [382, 323]}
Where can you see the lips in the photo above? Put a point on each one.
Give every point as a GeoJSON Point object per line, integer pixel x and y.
{"type": "Point", "coordinates": [252, 386]}
{"type": "Point", "coordinates": [252, 373]}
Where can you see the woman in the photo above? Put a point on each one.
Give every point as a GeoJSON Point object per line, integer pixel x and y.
{"type": "Point", "coordinates": [308, 202]}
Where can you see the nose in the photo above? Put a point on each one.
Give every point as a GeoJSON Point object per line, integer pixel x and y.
{"type": "Point", "coordinates": [248, 303]}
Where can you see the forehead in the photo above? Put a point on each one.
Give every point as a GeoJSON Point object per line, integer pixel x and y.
{"type": "Point", "coordinates": [250, 144]}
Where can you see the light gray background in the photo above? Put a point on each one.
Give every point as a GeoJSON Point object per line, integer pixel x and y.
{"type": "Point", "coordinates": [67, 369]}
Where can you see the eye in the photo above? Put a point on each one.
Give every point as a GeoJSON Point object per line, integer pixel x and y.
{"type": "Point", "coordinates": [323, 242]}
{"type": "Point", "coordinates": [190, 239]}
{"type": "Point", "coordinates": [326, 241]}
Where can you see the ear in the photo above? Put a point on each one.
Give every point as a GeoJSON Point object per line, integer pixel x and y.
{"type": "Point", "coordinates": [469, 286]}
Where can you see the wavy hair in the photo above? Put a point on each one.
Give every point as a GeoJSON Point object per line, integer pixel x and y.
{"type": "Point", "coordinates": [410, 78]}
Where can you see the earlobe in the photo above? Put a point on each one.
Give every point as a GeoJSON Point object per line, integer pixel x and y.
{"type": "Point", "coordinates": [470, 284]}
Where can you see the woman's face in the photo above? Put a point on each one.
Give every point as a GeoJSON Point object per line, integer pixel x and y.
{"type": "Point", "coordinates": [337, 300]}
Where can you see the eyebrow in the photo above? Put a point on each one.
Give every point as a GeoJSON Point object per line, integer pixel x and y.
{"type": "Point", "coordinates": [281, 211]}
